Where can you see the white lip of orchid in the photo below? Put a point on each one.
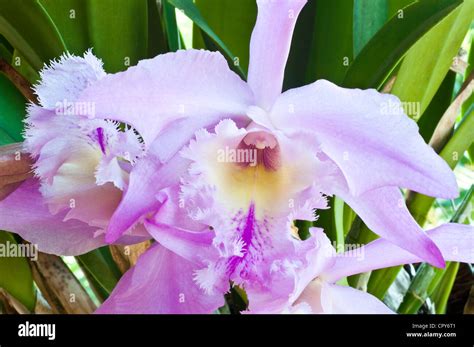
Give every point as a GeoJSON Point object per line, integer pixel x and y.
{"type": "Point", "coordinates": [271, 184]}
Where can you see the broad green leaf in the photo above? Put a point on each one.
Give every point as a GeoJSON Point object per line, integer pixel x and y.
{"type": "Point", "coordinates": [395, 6]}
{"type": "Point", "coordinates": [369, 17]}
{"type": "Point", "coordinates": [12, 109]}
{"type": "Point", "coordinates": [15, 272]}
{"type": "Point", "coordinates": [5, 139]}
{"type": "Point", "coordinates": [118, 30]}
{"type": "Point", "coordinates": [298, 59]}
{"type": "Point", "coordinates": [28, 28]}
{"type": "Point", "coordinates": [382, 53]}
{"type": "Point", "coordinates": [330, 52]}
{"type": "Point", "coordinates": [193, 13]}
{"type": "Point", "coordinates": [437, 107]}
{"type": "Point", "coordinates": [24, 68]}
{"type": "Point", "coordinates": [99, 264]}
{"type": "Point", "coordinates": [70, 17]}
{"type": "Point", "coordinates": [427, 62]}
{"type": "Point", "coordinates": [233, 22]}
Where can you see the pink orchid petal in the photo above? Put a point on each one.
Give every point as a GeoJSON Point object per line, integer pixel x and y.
{"type": "Point", "coordinates": [373, 145]}
{"type": "Point", "coordinates": [270, 46]}
{"type": "Point", "coordinates": [320, 260]}
{"type": "Point", "coordinates": [456, 242]}
{"type": "Point", "coordinates": [158, 91]}
{"type": "Point", "coordinates": [160, 282]}
{"type": "Point", "coordinates": [25, 212]}
{"type": "Point", "coordinates": [384, 211]}
{"type": "Point", "coordinates": [66, 78]}
{"type": "Point", "coordinates": [179, 133]}
{"type": "Point", "coordinates": [146, 180]}
{"type": "Point", "coordinates": [346, 300]}
{"type": "Point", "coordinates": [193, 246]}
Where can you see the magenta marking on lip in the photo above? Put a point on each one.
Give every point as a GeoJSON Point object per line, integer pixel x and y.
{"type": "Point", "coordinates": [247, 235]}
{"type": "Point", "coordinates": [101, 138]}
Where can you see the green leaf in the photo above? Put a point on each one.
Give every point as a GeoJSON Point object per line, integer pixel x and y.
{"type": "Point", "coordinates": [381, 280]}
{"type": "Point", "coordinates": [437, 107]}
{"type": "Point", "coordinates": [28, 28]}
{"type": "Point", "coordinates": [470, 101]}
{"type": "Point", "coordinates": [6, 50]}
{"type": "Point", "coordinates": [100, 265]}
{"type": "Point", "coordinates": [383, 52]}
{"type": "Point", "coordinates": [359, 234]}
{"type": "Point", "coordinates": [118, 31]}
{"type": "Point", "coordinates": [298, 60]}
{"type": "Point", "coordinates": [12, 110]}
{"type": "Point", "coordinates": [15, 272]}
{"type": "Point", "coordinates": [427, 62]}
{"type": "Point", "coordinates": [70, 17]}
{"type": "Point", "coordinates": [24, 68]}
{"type": "Point", "coordinates": [441, 294]}
{"type": "Point", "coordinates": [394, 6]}
{"type": "Point", "coordinates": [172, 31]}
{"type": "Point", "coordinates": [233, 22]}
{"type": "Point", "coordinates": [156, 35]}
{"type": "Point", "coordinates": [331, 50]}
{"type": "Point", "coordinates": [369, 17]}
{"type": "Point", "coordinates": [5, 139]}
{"type": "Point", "coordinates": [192, 12]}
{"type": "Point", "coordinates": [339, 222]}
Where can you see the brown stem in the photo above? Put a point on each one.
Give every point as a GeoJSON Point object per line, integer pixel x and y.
{"type": "Point", "coordinates": [60, 288]}
{"type": "Point", "coordinates": [20, 82]}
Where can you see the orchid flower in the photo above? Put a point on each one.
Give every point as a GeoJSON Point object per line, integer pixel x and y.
{"type": "Point", "coordinates": [232, 220]}
{"type": "Point", "coordinates": [317, 292]}
{"type": "Point", "coordinates": [81, 166]}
